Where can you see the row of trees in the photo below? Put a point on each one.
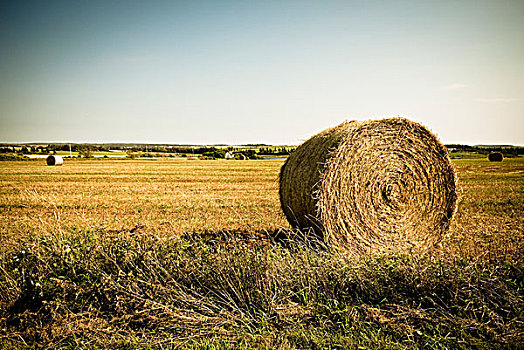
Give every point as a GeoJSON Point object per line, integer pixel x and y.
{"type": "Point", "coordinates": [277, 151]}
{"type": "Point", "coordinates": [207, 150]}
{"type": "Point", "coordinates": [201, 150]}
{"type": "Point", "coordinates": [87, 150]}
{"type": "Point", "coordinates": [51, 149]}
{"type": "Point", "coordinates": [83, 150]}
{"type": "Point", "coordinates": [511, 151]}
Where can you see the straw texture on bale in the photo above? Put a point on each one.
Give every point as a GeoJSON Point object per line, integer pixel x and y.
{"type": "Point", "coordinates": [54, 160]}
{"type": "Point", "coordinates": [495, 157]}
{"type": "Point", "coordinates": [373, 185]}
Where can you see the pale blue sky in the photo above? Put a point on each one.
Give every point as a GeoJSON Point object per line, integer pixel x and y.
{"type": "Point", "coordinates": [272, 72]}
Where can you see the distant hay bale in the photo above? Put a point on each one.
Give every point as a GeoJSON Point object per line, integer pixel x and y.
{"type": "Point", "coordinates": [495, 157]}
{"type": "Point", "coordinates": [368, 186]}
{"type": "Point", "coordinates": [54, 160]}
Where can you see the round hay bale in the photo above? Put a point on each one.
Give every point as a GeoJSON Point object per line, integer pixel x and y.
{"type": "Point", "coordinates": [367, 186]}
{"type": "Point", "coordinates": [495, 157]}
{"type": "Point", "coordinates": [54, 160]}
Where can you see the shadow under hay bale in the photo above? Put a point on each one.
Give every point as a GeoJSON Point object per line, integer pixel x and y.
{"type": "Point", "coordinates": [495, 157]}
{"type": "Point", "coordinates": [54, 160]}
{"type": "Point", "coordinates": [371, 186]}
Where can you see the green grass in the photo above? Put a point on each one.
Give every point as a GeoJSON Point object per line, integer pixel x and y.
{"type": "Point", "coordinates": [154, 291]}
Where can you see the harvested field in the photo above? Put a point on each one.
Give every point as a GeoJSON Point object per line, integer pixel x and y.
{"type": "Point", "coordinates": [166, 197]}
{"type": "Point", "coordinates": [136, 254]}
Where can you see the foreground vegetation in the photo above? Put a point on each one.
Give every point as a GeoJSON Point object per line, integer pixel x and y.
{"type": "Point", "coordinates": [196, 254]}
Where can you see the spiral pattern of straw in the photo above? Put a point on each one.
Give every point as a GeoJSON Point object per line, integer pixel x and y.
{"type": "Point", "coordinates": [371, 186]}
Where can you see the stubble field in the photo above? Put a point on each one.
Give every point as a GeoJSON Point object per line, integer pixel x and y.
{"type": "Point", "coordinates": [191, 253]}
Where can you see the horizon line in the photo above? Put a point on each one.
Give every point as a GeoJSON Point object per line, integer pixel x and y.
{"type": "Point", "coordinates": [217, 144]}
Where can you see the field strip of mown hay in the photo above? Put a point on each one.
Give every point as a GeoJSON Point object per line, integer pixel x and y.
{"type": "Point", "coordinates": [144, 253]}
{"type": "Point", "coordinates": [167, 197]}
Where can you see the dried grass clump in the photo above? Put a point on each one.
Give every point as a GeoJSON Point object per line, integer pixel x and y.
{"type": "Point", "coordinates": [371, 186]}
{"type": "Point", "coordinates": [54, 160]}
{"type": "Point", "coordinates": [495, 157]}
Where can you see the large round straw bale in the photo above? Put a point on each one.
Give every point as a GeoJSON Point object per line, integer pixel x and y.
{"type": "Point", "coordinates": [367, 186]}
{"type": "Point", "coordinates": [54, 160]}
{"type": "Point", "coordinates": [495, 157]}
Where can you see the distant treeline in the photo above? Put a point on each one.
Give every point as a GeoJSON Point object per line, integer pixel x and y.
{"type": "Point", "coordinates": [278, 151]}
{"type": "Point", "coordinates": [507, 150]}
{"type": "Point", "coordinates": [51, 148]}
{"type": "Point", "coordinates": [197, 150]}
{"type": "Point", "coordinates": [247, 149]}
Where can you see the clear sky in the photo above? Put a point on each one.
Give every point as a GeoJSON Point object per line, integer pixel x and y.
{"type": "Point", "coordinates": [276, 72]}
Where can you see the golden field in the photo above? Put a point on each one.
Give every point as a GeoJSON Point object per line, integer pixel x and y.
{"type": "Point", "coordinates": [182, 253]}
{"type": "Point", "coordinates": [173, 197]}
{"type": "Point", "coordinates": [165, 196]}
